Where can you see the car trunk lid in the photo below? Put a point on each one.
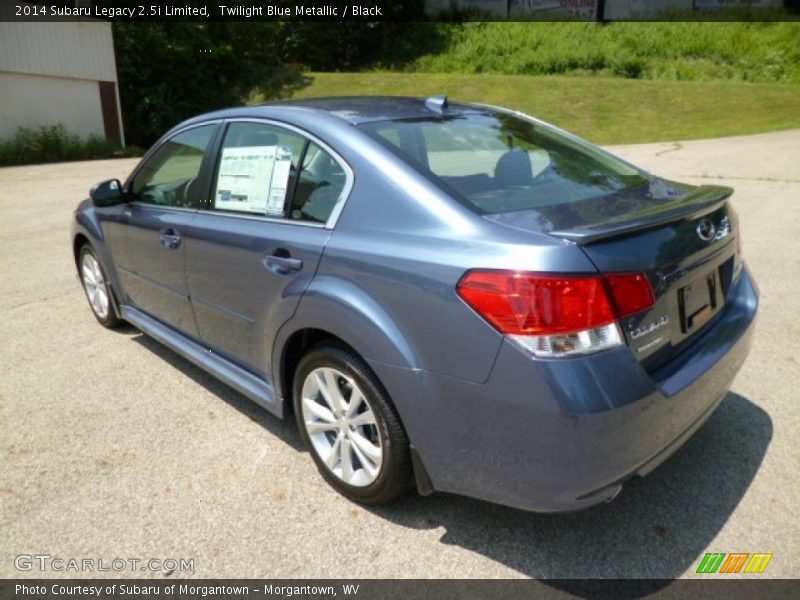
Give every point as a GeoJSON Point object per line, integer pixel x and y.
{"type": "Point", "coordinates": [681, 237]}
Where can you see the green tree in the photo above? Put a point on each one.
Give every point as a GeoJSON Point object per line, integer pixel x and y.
{"type": "Point", "coordinates": [169, 71]}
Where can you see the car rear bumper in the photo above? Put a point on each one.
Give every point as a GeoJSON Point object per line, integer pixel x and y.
{"type": "Point", "coordinates": [560, 435]}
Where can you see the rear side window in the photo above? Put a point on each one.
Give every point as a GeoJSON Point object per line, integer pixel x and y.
{"type": "Point", "coordinates": [170, 176]}
{"type": "Point", "coordinates": [502, 163]}
{"type": "Point", "coordinates": [270, 171]}
{"type": "Point", "coordinates": [320, 184]}
{"type": "Point", "coordinates": [257, 169]}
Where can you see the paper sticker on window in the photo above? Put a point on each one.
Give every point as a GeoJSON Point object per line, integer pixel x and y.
{"type": "Point", "coordinates": [253, 179]}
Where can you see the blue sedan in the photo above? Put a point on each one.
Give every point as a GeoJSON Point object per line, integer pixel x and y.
{"type": "Point", "coordinates": [452, 297]}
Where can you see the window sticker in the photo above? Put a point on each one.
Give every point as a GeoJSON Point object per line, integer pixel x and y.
{"type": "Point", "coordinates": [253, 179]}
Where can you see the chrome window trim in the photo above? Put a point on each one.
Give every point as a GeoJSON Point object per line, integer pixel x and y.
{"type": "Point", "coordinates": [333, 218]}
{"type": "Point", "coordinates": [264, 219]}
{"type": "Point", "coordinates": [141, 204]}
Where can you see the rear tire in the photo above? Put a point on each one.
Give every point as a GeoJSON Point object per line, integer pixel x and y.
{"type": "Point", "coordinates": [95, 285]}
{"type": "Point", "coordinates": [350, 426]}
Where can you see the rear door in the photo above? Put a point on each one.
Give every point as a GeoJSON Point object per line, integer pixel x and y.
{"type": "Point", "coordinates": [163, 196]}
{"type": "Point", "coordinates": [253, 249]}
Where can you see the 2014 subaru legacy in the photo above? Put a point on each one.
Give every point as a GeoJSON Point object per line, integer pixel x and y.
{"type": "Point", "coordinates": [452, 296]}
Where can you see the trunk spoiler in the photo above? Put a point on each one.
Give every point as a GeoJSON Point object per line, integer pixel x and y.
{"type": "Point", "coordinates": [703, 200]}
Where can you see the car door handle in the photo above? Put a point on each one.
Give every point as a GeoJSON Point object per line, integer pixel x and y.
{"type": "Point", "coordinates": [283, 264]}
{"type": "Point", "coordinates": [170, 238]}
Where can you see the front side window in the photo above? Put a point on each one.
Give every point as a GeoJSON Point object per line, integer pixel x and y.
{"type": "Point", "coordinates": [270, 171]}
{"type": "Point", "coordinates": [170, 176]}
{"type": "Point", "coordinates": [501, 163]}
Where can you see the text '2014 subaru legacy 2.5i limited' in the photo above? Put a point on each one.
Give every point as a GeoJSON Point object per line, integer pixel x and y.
{"type": "Point", "coordinates": [452, 296]}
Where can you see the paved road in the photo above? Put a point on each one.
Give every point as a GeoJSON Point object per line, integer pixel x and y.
{"type": "Point", "coordinates": [114, 447]}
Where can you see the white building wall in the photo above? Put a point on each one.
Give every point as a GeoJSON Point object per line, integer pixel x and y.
{"type": "Point", "coordinates": [49, 74]}
{"type": "Point", "coordinates": [67, 49]}
{"type": "Point", "coordinates": [35, 100]}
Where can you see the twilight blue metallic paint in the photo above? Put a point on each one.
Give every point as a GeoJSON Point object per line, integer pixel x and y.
{"type": "Point", "coordinates": [484, 417]}
{"type": "Point", "coordinates": [559, 435]}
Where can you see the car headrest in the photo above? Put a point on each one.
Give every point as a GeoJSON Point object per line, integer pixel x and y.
{"type": "Point", "coordinates": [327, 167]}
{"type": "Point", "coordinates": [258, 138]}
{"type": "Point", "coordinates": [514, 168]}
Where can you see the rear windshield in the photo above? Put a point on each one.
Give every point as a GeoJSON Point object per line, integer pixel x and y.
{"type": "Point", "coordinates": [502, 163]}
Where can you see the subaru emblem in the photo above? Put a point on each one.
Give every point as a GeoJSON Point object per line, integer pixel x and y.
{"type": "Point", "coordinates": [706, 230]}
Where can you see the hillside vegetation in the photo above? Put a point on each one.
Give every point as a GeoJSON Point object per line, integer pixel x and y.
{"type": "Point", "coordinates": [767, 52]}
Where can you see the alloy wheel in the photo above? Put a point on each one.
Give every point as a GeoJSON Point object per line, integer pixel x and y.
{"type": "Point", "coordinates": [95, 285]}
{"type": "Point", "coordinates": [342, 427]}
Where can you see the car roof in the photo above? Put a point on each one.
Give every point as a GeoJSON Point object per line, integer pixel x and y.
{"type": "Point", "coordinates": [363, 109]}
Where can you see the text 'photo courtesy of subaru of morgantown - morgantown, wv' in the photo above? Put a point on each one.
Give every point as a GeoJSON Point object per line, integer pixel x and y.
{"type": "Point", "coordinates": [454, 297]}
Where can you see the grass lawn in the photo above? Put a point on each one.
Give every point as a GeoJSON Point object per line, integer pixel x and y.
{"type": "Point", "coordinates": [606, 111]}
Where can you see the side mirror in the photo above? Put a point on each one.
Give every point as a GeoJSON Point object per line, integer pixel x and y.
{"type": "Point", "coordinates": [107, 193]}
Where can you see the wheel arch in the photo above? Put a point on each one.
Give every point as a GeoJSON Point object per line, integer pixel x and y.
{"type": "Point", "coordinates": [81, 237]}
{"type": "Point", "coordinates": [78, 242]}
{"type": "Point", "coordinates": [86, 229]}
{"type": "Point", "coordinates": [340, 311]}
{"type": "Point", "coordinates": [295, 347]}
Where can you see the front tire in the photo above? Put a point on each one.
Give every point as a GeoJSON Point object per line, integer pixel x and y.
{"type": "Point", "coordinates": [350, 426]}
{"type": "Point", "coordinates": [95, 284]}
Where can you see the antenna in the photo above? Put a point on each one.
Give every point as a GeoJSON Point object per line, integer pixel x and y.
{"type": "Point", "coordinates": [437, 103]}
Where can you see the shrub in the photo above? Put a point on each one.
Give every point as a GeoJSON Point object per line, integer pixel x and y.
{"type": "Point", "coordinates": [53, 143]}
{"type": "Point", "coordinates": [762, 52]}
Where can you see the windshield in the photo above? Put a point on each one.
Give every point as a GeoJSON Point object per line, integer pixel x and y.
{"type": "Point", "coordinates": [502, 163]}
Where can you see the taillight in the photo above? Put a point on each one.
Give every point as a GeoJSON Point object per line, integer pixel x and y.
{"type": "Point", "coordinates": [631, 292]}
{"type": "Point", "coordinates": [556, 315]}
{"type": "Point", "coordinates": [737, 230]}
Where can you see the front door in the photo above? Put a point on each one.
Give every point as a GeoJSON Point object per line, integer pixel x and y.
{"type": "Point", "coordinates": [163, 197]}
{"type": "Point", "coordinates": [254, 249]}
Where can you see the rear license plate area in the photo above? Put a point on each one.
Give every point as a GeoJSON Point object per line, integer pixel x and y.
{"type": "Point", "coordinates": [698, 302]}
